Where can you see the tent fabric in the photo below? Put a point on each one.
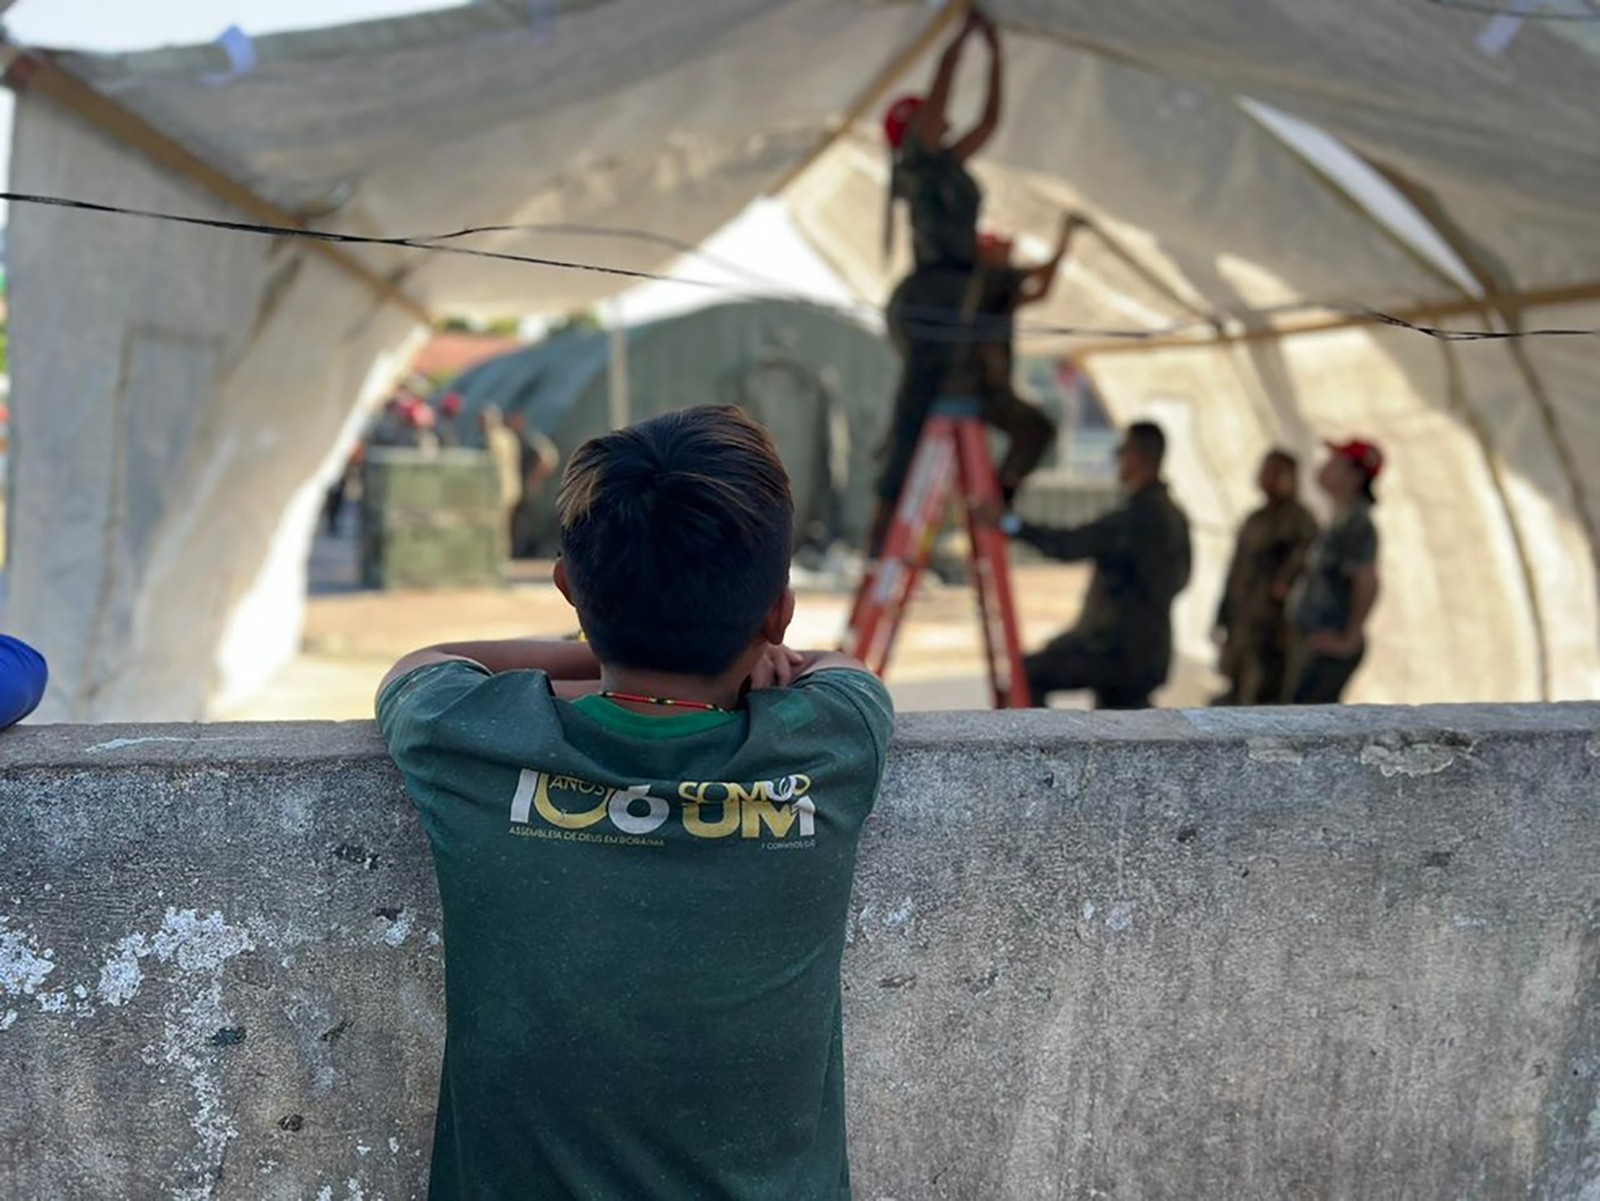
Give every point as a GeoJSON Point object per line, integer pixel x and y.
{"type": "Point", "coordinates": [167, 463]}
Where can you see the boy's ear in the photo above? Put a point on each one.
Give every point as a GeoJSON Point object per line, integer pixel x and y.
{"type": "Point", "coordinates": [778, 617]}
{"type": "Point", "coordinates": [559, 575]}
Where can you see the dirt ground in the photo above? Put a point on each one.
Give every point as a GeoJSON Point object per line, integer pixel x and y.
{"type": "Point", "coordinates": [353, 636]}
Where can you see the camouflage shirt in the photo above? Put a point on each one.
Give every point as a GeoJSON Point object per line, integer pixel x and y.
{"type": "Point", "coordinates": [943, 199]}
{"type": "Point", "coordinates": [1268, 556]}
{"type": "Point", "coordinates": [1142, 558]}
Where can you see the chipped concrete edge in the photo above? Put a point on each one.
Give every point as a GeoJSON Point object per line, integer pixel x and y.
{"type": "Point", "coordinates": [1269, 735]}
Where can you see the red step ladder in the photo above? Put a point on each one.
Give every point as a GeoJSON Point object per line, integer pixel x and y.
{"type": "Point", "coordinates": [952, 450]}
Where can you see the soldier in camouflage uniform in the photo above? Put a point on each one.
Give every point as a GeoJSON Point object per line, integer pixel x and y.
{"type": "Point", "coordinates": [988, 370]}
{"type": "Point", "coordinates": [932, 309]}
{"type": "Point", "coordinates": [1252, 624]}
{"type": "Point", "coordinates": [1121, 647]}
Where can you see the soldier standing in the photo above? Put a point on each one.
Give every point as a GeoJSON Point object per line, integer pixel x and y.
{"type": "Point", "coordinates": [1252, 626]}
{"type": "Point", "coordinates": [1335, 597]}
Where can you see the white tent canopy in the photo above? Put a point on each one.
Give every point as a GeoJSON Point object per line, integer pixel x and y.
{"type": "Point", "coordinates": [179, 391]}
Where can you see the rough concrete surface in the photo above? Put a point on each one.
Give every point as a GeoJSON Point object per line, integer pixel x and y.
{"type": "Point", "coordinates": [1221, 954]}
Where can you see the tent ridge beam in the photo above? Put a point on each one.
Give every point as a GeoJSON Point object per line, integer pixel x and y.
{"type": "Point", "coordinates": [40, 74]}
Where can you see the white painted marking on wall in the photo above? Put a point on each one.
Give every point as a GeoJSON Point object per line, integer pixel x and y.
{"type": "Point", "coordinates": [394, 1145]}
{"type": "Point", "coordinates": [1273, 750]}
{"type": "Point", "coordinates": [199, 944]}
{"type": "Point", "coordinates": [200, 947]}
{"type": "Point", "coordinates": [399, 929]}
{"type": "Point", "coordinates": [23, 966]}
{"type": "Point", "coordinates": [1418, 759]}
{"type": "Point", "coordinates": [9, 1020]}
{"type": "Point", "coordinates": [120, 976]}
{"type": "Point", "coordinates": [1121, 916]}
{"type": "Point", "coordinates": [117, 744]}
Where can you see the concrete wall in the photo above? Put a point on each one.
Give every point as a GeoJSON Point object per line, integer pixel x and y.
{"type": "Point", "coordinates": [1346, 954]}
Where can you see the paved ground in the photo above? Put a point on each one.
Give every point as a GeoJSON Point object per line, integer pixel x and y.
{"type": "Point", "coordinates": [352, 636]}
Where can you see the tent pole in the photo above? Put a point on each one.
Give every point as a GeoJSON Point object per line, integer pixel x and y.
{"type": "Point", "coordinates": [618, 400]}
{"type": "Point", "coordinates": [1534, 298]}
{"type": "Point", "coordinates": [875, 91]}
{"type": "Point", "coordinates": [1148, 275]}
{"type": "Point", "coordinates": [39, 74]}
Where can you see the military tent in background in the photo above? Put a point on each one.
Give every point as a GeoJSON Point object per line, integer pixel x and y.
{"type": "Point", "coordinates": [1264, 173]}
{"type": "Point", "coordinates": [821, 382]}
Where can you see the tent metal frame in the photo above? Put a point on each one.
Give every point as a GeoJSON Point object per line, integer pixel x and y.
{"type": "Point", "coordinates": [1577, 293]}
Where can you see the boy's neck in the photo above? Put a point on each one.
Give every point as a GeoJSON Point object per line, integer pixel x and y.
{"type": "Point", "coordinates": [721, 691]}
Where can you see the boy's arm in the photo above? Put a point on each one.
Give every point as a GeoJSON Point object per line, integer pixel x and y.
{"type": "Point", "coordinates": [560, 659]}
{"type": "Point", "coordinates": [827, 660]}
{"type": "Point", "coordinates": [779, 666]}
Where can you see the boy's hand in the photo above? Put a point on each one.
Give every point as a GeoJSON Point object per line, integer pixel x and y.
{"type": "Point", "coordinates": [776, 668]}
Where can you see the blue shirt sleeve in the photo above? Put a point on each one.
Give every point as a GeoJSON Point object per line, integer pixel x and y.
{"type": "Point", "coordinates": [23, 676]}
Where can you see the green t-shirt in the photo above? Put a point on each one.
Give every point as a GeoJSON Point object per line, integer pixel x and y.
{"type": "Point", "coordinates": [643, 922]}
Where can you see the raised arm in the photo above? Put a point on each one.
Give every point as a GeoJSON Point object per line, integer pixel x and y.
{"type": "Point", "coordinates": [929, 124]}
{"type": "Point", "coordinates": [560, 659]}
{"type": "Point", "coordinates": [976, 138]}
{"type": "Point", "coordinates": [1042, 278]}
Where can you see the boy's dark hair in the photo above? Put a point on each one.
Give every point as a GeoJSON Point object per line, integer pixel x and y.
{"type": "Point", "coordinates": [1146, 438]}
{"type": "Point", "coordinates": [676, 536]}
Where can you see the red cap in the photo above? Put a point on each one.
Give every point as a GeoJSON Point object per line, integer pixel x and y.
{"type": "Point", "coordinates": [1363, 454]}
{"type": "Point", "coordinates": [898, 119]}
{"type": "Point", "coordinates": [451, 404]}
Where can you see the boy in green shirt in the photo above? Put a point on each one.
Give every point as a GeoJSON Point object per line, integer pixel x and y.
{"type": "Point", "coordinates": [645, 845]}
